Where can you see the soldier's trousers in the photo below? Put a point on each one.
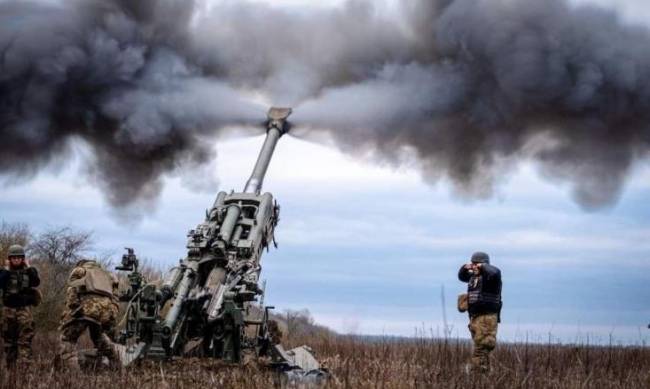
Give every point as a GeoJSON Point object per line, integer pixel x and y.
{"type": "Point", "coordinates": [17, 332]}
{"type": "Point", "coordinates": [70, 333]}
{"type": "Point", "coordinates": [484, 334]}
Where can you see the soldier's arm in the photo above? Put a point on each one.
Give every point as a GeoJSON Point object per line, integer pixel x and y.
{"type": "Point", "coordinates": [464, 274]}
{"type": "Point", "coordinates": [490, 272]}
{"type": "Point", "coordinates": [4, 278]}
{"type": "Point", "coordinates": [34, 279]}
{"type": "Point", "coordinates": [72, 300]}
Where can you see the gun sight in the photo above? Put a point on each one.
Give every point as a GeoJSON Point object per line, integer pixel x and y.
{"type": "Point", "coordinates": [129, 261]}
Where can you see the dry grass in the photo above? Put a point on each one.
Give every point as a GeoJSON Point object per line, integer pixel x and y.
{"type": "Point", "coordinates": [358, 363]}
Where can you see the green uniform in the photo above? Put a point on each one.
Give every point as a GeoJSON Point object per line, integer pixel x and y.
{"type": "Point", "coordinates": [18, 296]}
{"type": "Point", "coordinates": [90, 304]}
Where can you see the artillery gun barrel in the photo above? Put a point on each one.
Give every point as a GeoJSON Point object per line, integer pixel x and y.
{"type": "Point", "coordinates": [277, 126]}
{"type": "Point", "coordinates": [206, 301]}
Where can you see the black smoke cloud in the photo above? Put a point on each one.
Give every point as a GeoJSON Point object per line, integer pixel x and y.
{"type": "Point", "coordinates": [114, 74]}
{"type": "Point", "coordinates": [567, 87]}
{"type": "Point", "coordinates": [469, 88]}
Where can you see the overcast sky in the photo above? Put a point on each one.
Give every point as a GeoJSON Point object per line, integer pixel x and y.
{"type": "Point", "coordinates": [368, 248]}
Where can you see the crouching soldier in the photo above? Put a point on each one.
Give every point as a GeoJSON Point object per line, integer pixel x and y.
{"type": "Point", "coordinates": [483, 302]}
{"type": "Point", "coordinates": [18, 281]}
{"type": "Point", "coordinates": [91, 303]}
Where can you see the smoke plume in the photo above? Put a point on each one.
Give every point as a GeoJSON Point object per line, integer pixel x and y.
{"type": "Point", "coordinates": [470, 88]}
{"type": "Point", "coordinates": [567, 87]}
{"type": "Point", "coordinates": [114, 74]}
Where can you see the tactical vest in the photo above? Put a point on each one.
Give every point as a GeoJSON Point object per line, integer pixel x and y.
{"type": "Point", "coordinates": [18, 283]}
{"type": "Point", "coordinates": [483, 298]}
{"type": "Point", "coordinates": [95, 280]}
{"type": "Point", "coordinates": [17, 293]}
{"type": "Point", "coordinates": [478, 296]}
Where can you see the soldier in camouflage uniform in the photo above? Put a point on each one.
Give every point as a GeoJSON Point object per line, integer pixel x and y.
{"type": "Point", "coordinates": [91, 303]}
{"type": "Point", "coordinates": [484, 307]}
{"type": "Point", "coordinates": [18, 282]}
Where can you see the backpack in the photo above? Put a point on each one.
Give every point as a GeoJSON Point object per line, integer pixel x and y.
{"type": "Point", "coordinates": [463, 302]}
{"type": "Point", "coordinates": [92, 280]}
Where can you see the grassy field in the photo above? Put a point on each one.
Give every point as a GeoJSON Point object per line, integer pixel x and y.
{"type": "Point", "coordinates": [359, 363]}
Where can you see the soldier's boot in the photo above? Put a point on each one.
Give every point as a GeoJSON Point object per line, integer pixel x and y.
{"type": "Point", "coordinates": [106, 348]}
{"type": "Point", "coordinates": [480, 362]}
{"type": "Point", "coordinates": [67, 356]}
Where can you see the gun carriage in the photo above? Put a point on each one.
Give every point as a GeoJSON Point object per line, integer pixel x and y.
{"type": "Point", "coordinates": [210, 304]}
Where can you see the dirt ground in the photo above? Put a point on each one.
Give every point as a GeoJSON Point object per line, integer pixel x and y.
{"type": "Point", "coordinates": [366, 363]}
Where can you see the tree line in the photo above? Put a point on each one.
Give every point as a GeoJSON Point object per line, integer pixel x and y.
{"type": "Point", "coordinates": [54, 252]}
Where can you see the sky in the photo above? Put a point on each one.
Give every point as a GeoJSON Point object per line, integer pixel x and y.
{"type": "Point", "coordinates": [368, 248]}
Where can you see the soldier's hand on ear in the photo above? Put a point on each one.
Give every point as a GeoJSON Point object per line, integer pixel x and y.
{"type": "Point", "coordinates": [26, 261]}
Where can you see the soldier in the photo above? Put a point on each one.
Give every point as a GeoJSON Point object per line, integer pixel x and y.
{"type": "Point", "coordinates": [484, 307]}
{"type": "Point", "coordinates": [18, 282]}
{"type": "Point", "coordinates": [91, 303]}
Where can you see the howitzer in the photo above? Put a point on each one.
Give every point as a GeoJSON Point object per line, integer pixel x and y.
{"type": "Point", "coordinates": [206, 305]}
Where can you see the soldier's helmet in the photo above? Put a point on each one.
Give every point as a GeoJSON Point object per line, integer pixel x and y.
{"type": "Point", "coordinates": [480, 257]}
{"type": "Point", "coordinates": [16, 250]}
{"type": "Point", "coordinates": [84, 261]}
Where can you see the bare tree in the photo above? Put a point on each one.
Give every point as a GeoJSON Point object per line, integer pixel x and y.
{"type": "Point", "coordinates": [12, 233]}
{"type": "Point", "coordinates": [298, 322]}
{"type": "Point", "coordinates": [61, 246]}
{"type": "Point", "coordinates": [54, 252]}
